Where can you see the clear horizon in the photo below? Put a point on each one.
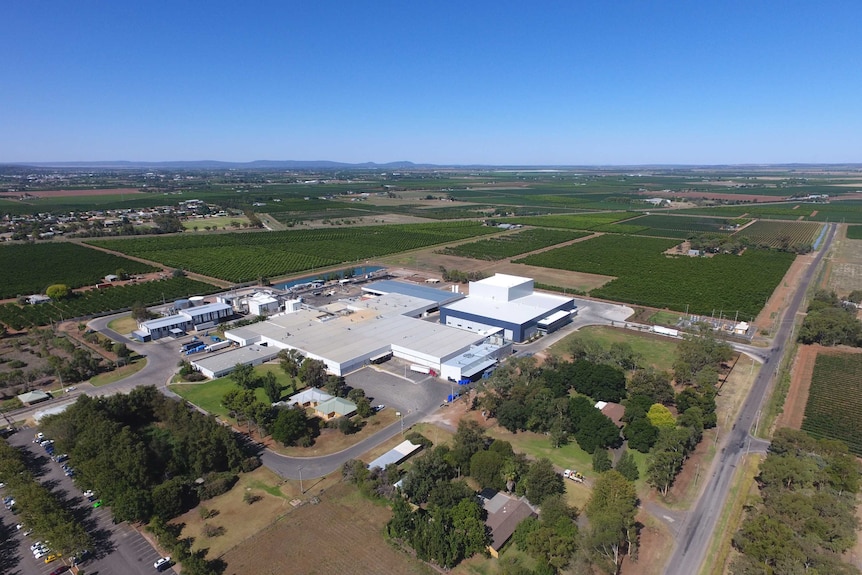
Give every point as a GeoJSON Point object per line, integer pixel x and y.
{"type": "Point", "coordinates": [592, 84]}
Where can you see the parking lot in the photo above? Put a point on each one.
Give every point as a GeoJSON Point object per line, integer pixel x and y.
{"type": "Point", "coordinates": [118, 549]}
{"type": "Point", "coordinates": [394, 385]}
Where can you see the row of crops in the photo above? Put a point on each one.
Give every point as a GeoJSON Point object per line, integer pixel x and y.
{"type": "Point", "coordinates": [29, 268]}
{"type": "Point", "coordinates": [834, 408]}
{"type": "Point", "coordinates": [849, 211]}
{"type": "Point", "coordinates": [646, 276]}
{"type": "Point", "coordinates": [589, 221]}
{"type": "Point", "coordinates": [241, 257]}
{"type": "Point", "coordinates": [506, 246]}
{"type": "Point", "coordinates": [99, 301]}
{"type": "Point", "coordinates": [781, 235]}
{"type": "Point", "coordinates": [682, 227]}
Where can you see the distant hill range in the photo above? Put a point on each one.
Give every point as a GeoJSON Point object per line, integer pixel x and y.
{"type": "Point", "coordinates": [330, 165]}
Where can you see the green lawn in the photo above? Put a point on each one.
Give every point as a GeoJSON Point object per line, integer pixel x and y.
{"type": "Point", "coordinates": [137, 364]}
{"type": "Point", "coordinates": [668, 318]}
{"type": "Point", "coordinates": [208, 395]}
{"type": "Point", "coordinates": [219, 222]}
{"type": "Point", "coordinates": [538, 445]}
{"type": "Point", "coordinates": [656, 350]}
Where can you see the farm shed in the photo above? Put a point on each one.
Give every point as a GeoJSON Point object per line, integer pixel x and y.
{"type": "Point", "coordinates": [507, 302]}
{"type": "Point", "coordinates": [32, 397]}
{"type": "Point", "coordinates": [395, 455]}
{"type": "Point", "coordinates": [221, 364]}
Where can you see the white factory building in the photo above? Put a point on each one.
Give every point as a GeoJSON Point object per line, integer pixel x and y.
{"type": "Point", "coordinates": [196, 318]}
{"type": "Point", "coordinates": [349, 334]}
{"type": "Point", "coordinates": [508, 303]}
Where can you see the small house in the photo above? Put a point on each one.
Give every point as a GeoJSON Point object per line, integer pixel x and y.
{"type": "Point", "coordinates": [335, 407]}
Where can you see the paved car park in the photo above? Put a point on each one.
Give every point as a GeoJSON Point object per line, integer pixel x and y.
{"type": "Point", "coordinates": [394, 385]}
{"type": "Point", "coordinates": [118, 549]}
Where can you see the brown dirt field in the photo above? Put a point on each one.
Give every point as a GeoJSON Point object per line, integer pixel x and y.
{"type": "Point", "coordinates": [655, 545]}
{"type": "Point", "coordinates": [843, 272]}
{"type": "Point", "coordinates": [67, 193]}
{"type": "Point", "coordinates": [768, 316]}
{"type": "Point", "coordinates": [800, 382]}
{"type": "Point", "coordinates": [340, 535]}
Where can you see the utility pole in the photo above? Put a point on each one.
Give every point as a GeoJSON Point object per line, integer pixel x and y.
{"type": "Point", "coordinates": [301, 490]}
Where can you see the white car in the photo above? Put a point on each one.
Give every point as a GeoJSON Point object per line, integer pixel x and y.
{"type": "Point", "coordinates": [39, 553]}
{"type": "Point", "coordinates": [162, 564]}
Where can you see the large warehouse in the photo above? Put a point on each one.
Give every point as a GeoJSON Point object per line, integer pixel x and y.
{"type": "Point", "coordinates": [348, 334]}
{"type": "Point", "coordinates": [509, 303]}
{"type": "Point", "coordinates": [197, 318]}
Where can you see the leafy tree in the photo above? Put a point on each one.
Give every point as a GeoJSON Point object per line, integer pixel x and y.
{"type": "Point", "coordinates": [363, 408]}
{"type": "Point", "coordinates": [428, 470]}
{"type": "Point", "coordinates": [542, 481]}
{"type": "Point", "coordinates": [335, 385]}
{"type": "Point", "coordinates": [627, 466]}
{"type": "Point", "coordinates": [513, 414]}
{"type": "Point", "coordinates": [140, 312]}
{"type": "Point", "coordinates": [58, 291]}
{"type": "Point", "coordinates": [486, 467]}
{"type": "Point", "coordinates": [312, 372]}
{"type": "Point", "coordinates": [611, 511]}
{"type": "Point", "coordinates": [468, 440]}
{"type": "Point", "coordinates": [652, 384]}
{"type": "Point", "coordinates": [695, 352]}
{"type": "Point", "coordinates": [271, 387]}
{"type": "Point", "coordinates": [641, 434]}
{"type": "Point", "coordinates": [660, 416]}
{"type": "Point", "coordinates": [290, 425]}
{"type": "Point", "coordinates": [601, 461]}
{"type": "Point", "coordinates": [596, 430]}
{"type": "Point", "coordinates": [243, 376]}
{"type": "Point", "coordinates": [290, 360]}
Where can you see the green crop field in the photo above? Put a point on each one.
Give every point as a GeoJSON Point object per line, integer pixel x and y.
{"type": "Point", "coordinates": [29, 268]}
{"type": "Point", "coordinates": [663, 225]}
{"type": "Point", "coordinates": [834, 408]}
{"type": "Point", "coordinates": [100, 301]}
{"type": "Point", "coordinates": [572, 222]}
{"type": "Point", "coordinates": [778, 234]}
{"type": "Point", "coordinates": [646, 276]}
{"type": "Point", "coordinates": [241, 257]}
{"type": "Point", "coordinates": [854, 232]}
{"type": "Point", "coordinates": [849, 211]}
{"type": "Point", "coordinates": [506, 246]}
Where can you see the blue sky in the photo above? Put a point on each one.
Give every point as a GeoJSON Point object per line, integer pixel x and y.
{"type": "Point", "coordinates": [577, 82]}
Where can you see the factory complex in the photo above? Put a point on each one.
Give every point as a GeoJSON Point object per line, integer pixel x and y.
{"type": "Point", "coordinates": [399, 319]}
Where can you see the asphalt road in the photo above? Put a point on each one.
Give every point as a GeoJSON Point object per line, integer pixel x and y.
{"type": "Point", "coordinates": [697, 529]}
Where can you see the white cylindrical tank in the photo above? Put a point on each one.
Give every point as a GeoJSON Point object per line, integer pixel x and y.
{"type": "Point", "coordinates": [196, 300]}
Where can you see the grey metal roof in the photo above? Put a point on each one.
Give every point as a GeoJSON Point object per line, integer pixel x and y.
{"type": "Point", "coordinates": [413, 290]}
{"type": "Point", "coordinates": [219, 362]}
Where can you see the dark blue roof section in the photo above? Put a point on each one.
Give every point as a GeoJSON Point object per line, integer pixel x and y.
{"type": "Point", "coordinates": [391, 286]}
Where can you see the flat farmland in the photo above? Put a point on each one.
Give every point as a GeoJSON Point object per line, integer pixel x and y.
{"type": "Point", "coordinates": [844, 269]}
{"type": "Point", "coordinates": [645, 276]}
{"type": "Point", "coordinates": [340, 535]}
{"type": "Point", "coordinates": [508, 245]}
{"type": "Point", "coordinates": [241, 257]}
{"type": "Point", "coordinates": [834, 407]}
{"type": "Point", "coordinates": [778, 234]}
{"type": "Point", "coordinates": [29, 268]}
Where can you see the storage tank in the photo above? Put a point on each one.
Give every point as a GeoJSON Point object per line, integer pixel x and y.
{"type": "Point", "coordinates": [196, 300]}
{"type": "Point", "coordinates": [182, 304]}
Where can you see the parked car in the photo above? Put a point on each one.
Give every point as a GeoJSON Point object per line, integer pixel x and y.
{"type": "Point", "coordinates": [52, 557]}
{"type": "Point", "coordinates": [59, 570]}
{"type": "Point", "coordinates": [162, 564]}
